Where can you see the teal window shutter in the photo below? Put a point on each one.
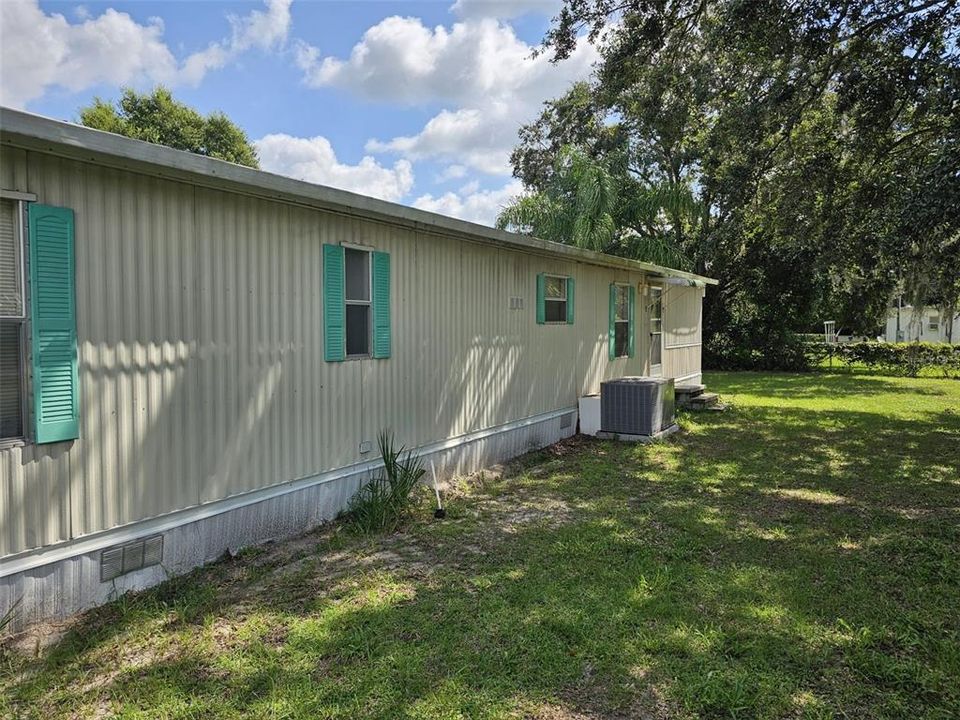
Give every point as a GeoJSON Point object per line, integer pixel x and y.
{"type": "Point", "coordinates": [570, 295]}
{"type": "Point", "coordinates": [53, 321]}
{"type": "Point", "coordinates": [613, 322]}
{"type": "Point", "coordinates": [334, 310]}
{"type": "Point", "coordinates": [381, 305]}
{"type": "Point", "coordinates": [541, 302]}
{"type": "Point", "coordinates": [632, 300]}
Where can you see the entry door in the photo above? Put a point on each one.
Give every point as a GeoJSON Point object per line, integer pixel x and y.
{"type": "Point", "coordinates": [655, 308]}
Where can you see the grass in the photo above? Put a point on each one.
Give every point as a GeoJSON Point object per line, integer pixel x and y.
{"type": "Point", "coordinates": [796, 556]}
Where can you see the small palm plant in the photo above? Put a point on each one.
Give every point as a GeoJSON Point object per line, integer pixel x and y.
{"type": "Point", "coordinates": [382, 504]}
{"type": "Point", "coordinates": [7, 618]}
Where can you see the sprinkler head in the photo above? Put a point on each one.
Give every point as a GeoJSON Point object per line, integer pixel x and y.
{"type": "Point", "coordinates": [439, 513]}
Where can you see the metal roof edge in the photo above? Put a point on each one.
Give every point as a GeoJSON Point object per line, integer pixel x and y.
{"type": "Point", "coordinates": [23, 129]}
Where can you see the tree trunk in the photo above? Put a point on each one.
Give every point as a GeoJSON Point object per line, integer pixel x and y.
{"type": "Point", "coordinates": [951, 313]}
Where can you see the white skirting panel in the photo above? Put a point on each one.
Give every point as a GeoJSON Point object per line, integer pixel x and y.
{"type": "Point", "coordinates": [60, 584]}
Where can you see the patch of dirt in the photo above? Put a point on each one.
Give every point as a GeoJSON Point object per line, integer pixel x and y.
{"type": "Point", "coordinates": [648, 705]}
{"type": "Point", "coordinates": [572, 445]}
{"type": "Point", "coordinates": [269, 574]}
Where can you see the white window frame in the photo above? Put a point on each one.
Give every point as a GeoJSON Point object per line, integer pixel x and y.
{"type": "Point", "coordinates": [19, 201]}
{"type": "Point", "coordinates": [656, 336]}
{"type": "Point", "coordinates": [368, 302]}
{"type": "Point", "coordinates": [547, 299]}
{"type": "Point", "coordinates": [625, 289]}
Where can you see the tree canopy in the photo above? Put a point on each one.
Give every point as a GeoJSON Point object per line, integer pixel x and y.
{"type": "Point", "coordinates": [585, 202]}
{"type": "Point", "coordinates": [158, 118]}
{"type": "Point", "coordinates": [819, 140]}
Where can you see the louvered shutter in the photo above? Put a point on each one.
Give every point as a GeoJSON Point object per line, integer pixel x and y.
{"type": "Point", "coordinates": [334, 336]}
{"type": "Point", "coordinates": [381, 305]}
{"type": "Point", "coordinates": [54, 325]}
{"type": "Point", "coordinates": [570, 297]}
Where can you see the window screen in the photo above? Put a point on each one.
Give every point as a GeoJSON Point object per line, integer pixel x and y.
{"type": "Point", "coordinates": [357, 299]}
{"type": "Point", "coordinates": [656, 310]}
{"type": "Point", "coordinates": [656, 326]}
{"type": "Point", "coordinates": [555, 299]}
{"type": "Point", "coordinates": [357, 271]}
{"type": "Point", "coordinates": [11, 321]}
{"type": "Point", "coordinates": [358, 335]}
{"type": "Point", "coordinates": [11, 409]}
{"type": "Point", "coordinates": [11, 295]}
{"type": "Point", "coordinates": [622, 338]}
{"type": "Point", "coordinates": [622, 322]}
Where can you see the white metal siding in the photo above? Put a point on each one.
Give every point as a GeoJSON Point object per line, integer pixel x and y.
{"type": "Point", "coordinates": [200, 330]}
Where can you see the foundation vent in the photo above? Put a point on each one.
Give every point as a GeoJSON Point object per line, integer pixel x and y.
{"type": "Point", "coordinates": [566, 420]}
{"type": "Point", "coordinates": [122, 559]}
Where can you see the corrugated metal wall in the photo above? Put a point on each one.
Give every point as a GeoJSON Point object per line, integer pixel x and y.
{"type": "Point", "coordinates": [201, 349]}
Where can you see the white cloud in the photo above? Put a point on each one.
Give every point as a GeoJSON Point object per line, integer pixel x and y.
{"type": "Point", "coordinates": [479, 68]}
{"type": "Point", "coordinates": [470, 188]}
{"type": "Point", "coordinates": [479, 206]}
{"type": "Point", "coordinates": [258, 29]}
{"type": "Point", "coordinates": [504, 8]}
{"type": "Point", "coordinates": [452, 172]}
{"type": "Point", "coordinates": [401, 60]}
{"type": "Point", "coordinates": [314, 160]}
{"type": "Point", "coordinates": [478, 139]}
{"type": "Point", "coordinates": [38, 50]}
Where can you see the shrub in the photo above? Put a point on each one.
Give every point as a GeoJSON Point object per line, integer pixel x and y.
{"type": "Point", "coordinates": [382, 504]}
{"type": "Point", "coordinates": [899, 358]}
{"type": "Point", "coordinates": [785, 350]}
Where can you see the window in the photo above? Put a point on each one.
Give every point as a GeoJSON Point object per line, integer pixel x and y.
{"type": "Point", "coordinates": [555, 299]}
{"type": "Point", "coordinates": [656, 327]}
{"type": "Point", "coordinates": [12, 315]}
{"type": "Point", "coordinates": [934, 323]}
{"type": "Point", "coordinates": [357, 300]}
{"type": "Point", "coordinates": [356, 303]}
{"type": "Point", "coordinates": [53, 377]}
{"type": "Point", "coordinates": [621, 321]}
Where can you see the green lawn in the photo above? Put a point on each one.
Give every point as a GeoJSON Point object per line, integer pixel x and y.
{"type": "Point", "coordinates": [796, 556]}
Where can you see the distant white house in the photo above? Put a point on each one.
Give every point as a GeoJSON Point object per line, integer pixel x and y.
{"type": "Point", "coordinates": [928, 325]}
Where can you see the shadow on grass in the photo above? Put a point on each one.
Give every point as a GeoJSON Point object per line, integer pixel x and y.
{"type": "Point", "coordinates": [768, 562]}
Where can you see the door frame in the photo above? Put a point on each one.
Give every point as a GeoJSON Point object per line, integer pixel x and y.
{"type": "Point", "coordinates": [655, 370]}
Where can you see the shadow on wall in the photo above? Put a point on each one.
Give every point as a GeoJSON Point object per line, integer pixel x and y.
{"type": "Point", "coordinates": [153, 442]}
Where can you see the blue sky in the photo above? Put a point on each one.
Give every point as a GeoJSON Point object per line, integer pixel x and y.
{"type": "Point", "coordinates": [414, 102]}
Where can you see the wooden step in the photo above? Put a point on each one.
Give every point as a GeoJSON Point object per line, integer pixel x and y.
{"type": "Point", "coordinates": [683, 392]}
{"type": "Point", "coordinates": [702, 401]}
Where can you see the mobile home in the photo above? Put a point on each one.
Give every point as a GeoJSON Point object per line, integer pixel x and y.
{"type": "Point", "coordinates": [197, 356]}
{"type": "Point", "coordinates": [930, 324]}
